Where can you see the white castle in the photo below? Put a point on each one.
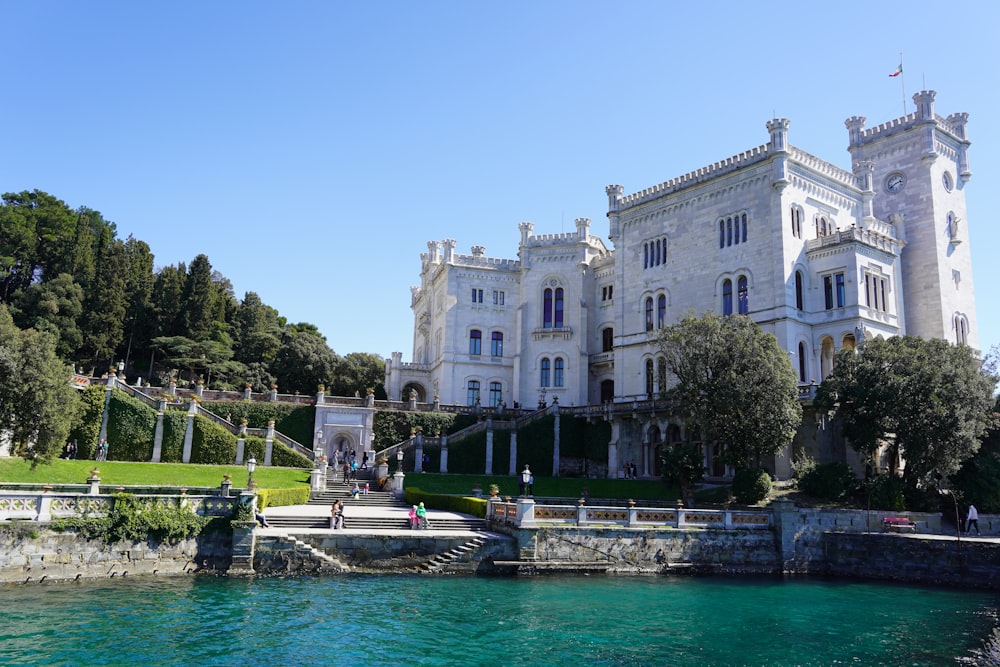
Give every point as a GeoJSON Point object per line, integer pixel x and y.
{"type": "Point", "coordinates": [818, 256]}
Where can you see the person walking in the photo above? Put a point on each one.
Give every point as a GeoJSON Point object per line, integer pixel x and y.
{"type": "Point", "coordinates": [972, 520]}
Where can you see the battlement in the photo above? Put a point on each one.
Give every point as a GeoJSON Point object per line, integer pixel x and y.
{"type": "Point", "coordinates": [744, 159]}
{"type": "Point", "coordinates": [481, 261]}
{"type": "Point", "coordinates": [822, 166]}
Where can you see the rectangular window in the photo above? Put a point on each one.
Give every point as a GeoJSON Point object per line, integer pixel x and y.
{"type": "Point", "coordinates": [475, 342]}
{"type": "Point", "coordinates": [477, 295]}
{"type": "Point", "coordinates": [546, 369]}
{"type": "Point", "coordinates": [828, 292]}
{"type": "Point", "coordinates": [557, 373]}
{"type": "Point", "coordinates": [497, 298]}
{"type": "Point", "coordinates": [885, 305]}
{"type": "Point", "coordinates": [868, 290]}
{"type": "Point", "coordinates": [607, 339]}
{"type": "Point", "coordinates": [496, 345]}
{"type": "Point", "coordinates": [841, 290]}
{"type": "Point", "coordinates": [496, 394]}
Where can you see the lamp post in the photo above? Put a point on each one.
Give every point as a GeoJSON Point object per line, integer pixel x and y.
{"type": "Point", "coordinates": [251, 466]}
{"type": "Point", "coordinates": [399, 460]}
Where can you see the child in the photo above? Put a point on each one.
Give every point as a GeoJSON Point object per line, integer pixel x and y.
{"type": "Point", "coordinates": [414, 521]}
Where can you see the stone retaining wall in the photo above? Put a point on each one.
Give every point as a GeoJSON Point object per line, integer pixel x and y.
{"type": "Point", "coordinates": [34, 552]}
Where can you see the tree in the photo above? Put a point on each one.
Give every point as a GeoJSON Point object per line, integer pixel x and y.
{"type": "Point", "coordinates": [357, 372]}
{"type": "Point", "coordinates": [37, 404]}
{"type": "Point", "coordinates": [925, 401]}
{"type": "Point", "coordinates": [304, 360]}
{"type": "Point", "coordinates": [258, 333]}
{"type": "Point", "coordinates": [36, 231]}
{"type": "Point", "coordinates": [55, 305]}
{"type": "Point", "coordinates": [104, 322]}
{"type": "Point", "coordinates": [734, 383]}
{"type": "Point", "coordinates": [682, 465]}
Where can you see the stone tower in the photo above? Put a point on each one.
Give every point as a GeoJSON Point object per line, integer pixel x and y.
{"type": "Point", "coordinates": [920, 168]}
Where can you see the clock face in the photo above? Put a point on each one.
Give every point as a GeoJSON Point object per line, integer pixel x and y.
{"type": "Point", "coordinates": [895, 182]}
{"type": "Point", "coordinates": [946, 181]}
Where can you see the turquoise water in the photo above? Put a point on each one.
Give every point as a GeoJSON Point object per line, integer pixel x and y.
{"type": "Point", "coordinates": [405, 620]}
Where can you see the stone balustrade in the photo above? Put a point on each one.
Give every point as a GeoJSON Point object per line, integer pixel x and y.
{"type": "Point", "coordinates": [47, 506]}
{"type": "Point", "coordinates": [524, 513]}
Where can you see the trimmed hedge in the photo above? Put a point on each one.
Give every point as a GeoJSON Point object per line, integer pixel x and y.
{"type": "Point", "coordinates": [394, 426]}
{"type": "Point", "coordinates": [295, 421]}
{"type": "Point", "coordinates": [282, 497]}
{"type": "Point", "coordinates": [87, 427]}
{"type": "Point", "coordinates": [174, 427]}
{"type": "Point", "coordinates": [462, 504]}
{"type": "Point", "coordinates": [131, 425]}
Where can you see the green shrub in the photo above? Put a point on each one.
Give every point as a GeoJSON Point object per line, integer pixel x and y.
{"type": "Point", "coordinates": [174, 427]}
{"type": "Point", "coordinates": [828, 481]}
{"type": "Point", "coordinates": [750, 486]}
{"type": "Point", "coordinates": [131, 424]}
{"type": "Point", "coordinates": [285, 457]}
{"type": "Point", "coordinates": [135, 520]}
{"type": "Point", "coordinates": [462, 504]}
{"type": "Point", "coordinates": [87, 427]}
{"type": "Point", "coordinates": [212, 443]}
{"type": "Point", "coordinates": [282, 497]}
{"type": "Point", "coordinates": [884, 492]}
{"type": "Point", "coordinates": [802, 466]}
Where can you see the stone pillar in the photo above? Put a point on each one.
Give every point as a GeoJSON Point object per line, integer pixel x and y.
{"type": "Point", "coordinates": [512, 465]}
{"type": "Point", "coordinates": [316, 480]}
{"type": "Point", "coordinates": [244, 540]}
{"type": "Point", "coordinates": [241, 442]}
{"type": "Point", "coordinates": [273, 395]}
{"type": "Point", "coordinates": [321, 395]}
{"type": "Point", "coordinates": [437, 403]}
{"type": "Point", "coordinates": [227, 484]}
{"type": "Point", "coordinates": [555, 437]}
{"type": "Point", "coordinates": [189, 432]}
{"type": "Point", "coordinates": [247, 393]}
{"type": "Point", "coordinates": [44, 508]}
{"type": "Point", "coordinates": [172, 387]}
{"type": "Point", "coordinates": [418, 462]}
{"type": "Point", "coordinates": [786, 525]}
{"type": "Point", "coordinates": [269, 443]}
{"type": "Point", "coordinates": [397, 484]}
{"type": "Point", "coordinates": [161, 408]}
{"type": "Point", "coordinates": [489, 447]}
{"type": "Point", "coordinates": [107, 403]}
{"type": "Point", "coordinates": [444, 453]}
{"type": "Point", "coordinates": [95, 482]}
{"type": "Point", "coordinates": [199, 389]}
{"type": "Point", "coordinates": [525, 513]}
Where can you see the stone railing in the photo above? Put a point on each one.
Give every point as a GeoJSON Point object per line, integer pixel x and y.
{"type": "Point", "coordinates": [524, 513]}
{"type": "Point", "coordinates": [46, 505]}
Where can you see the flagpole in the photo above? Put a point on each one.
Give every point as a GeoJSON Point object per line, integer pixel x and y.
{"type": "Point", "coordinates": [902, 81]}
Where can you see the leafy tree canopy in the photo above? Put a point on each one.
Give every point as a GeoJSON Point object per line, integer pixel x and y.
{"type": "Point", "coordinates": [926, 401]}
{"type": "Point", "coordinates": [734, 383]}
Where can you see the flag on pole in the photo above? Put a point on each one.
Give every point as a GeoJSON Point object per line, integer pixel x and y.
{"type": "Point", "coordinates": [899, 70]}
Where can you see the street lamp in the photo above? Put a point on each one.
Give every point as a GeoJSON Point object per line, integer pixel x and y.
{"type": "Point", "coordinates": [251, 466]}
{"type": "Point", "coordinates": [399, 460]}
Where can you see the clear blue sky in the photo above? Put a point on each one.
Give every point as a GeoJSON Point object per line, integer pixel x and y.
{"type": "Point", "coordinates": [311, 149]}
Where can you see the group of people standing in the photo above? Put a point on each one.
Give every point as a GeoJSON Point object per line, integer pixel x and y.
{"type": "Point", "coordinates": [631, 472]}
{"type": "Point", "coordinates": [100, 452]}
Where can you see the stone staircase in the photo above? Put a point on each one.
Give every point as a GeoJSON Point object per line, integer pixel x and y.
{"type": "Point", "coordinates": [438, 562]}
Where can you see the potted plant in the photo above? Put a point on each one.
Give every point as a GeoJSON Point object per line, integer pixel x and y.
{"type": "Point", "coordinates": [494, 490]}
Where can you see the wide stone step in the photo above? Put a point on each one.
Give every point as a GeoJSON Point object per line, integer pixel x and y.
{"type": "Point", "coordinates": [374, 523]}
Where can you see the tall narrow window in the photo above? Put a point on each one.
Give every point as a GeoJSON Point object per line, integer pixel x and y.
{"type": "Point", "coordinates": [547, 309]}
{"type": "Point", "coordinates": [743, 295]}
{"type": "Point", "coordinates": [649, 377]}
{"type": "Point", "coordinates": [722, 234]}
{"type": "Point", "coordinates": [802, 362]}
{"type": "Point", "coordinates": [557, 372]}
{"type": "Point", "coordinates": [645, 255]}
{"type": "Point", "coordinates": [841, 291]}
{"type": "Point", "coordinates": [743, 226]}
{"type": "Point", "coordinates": [497, 297]}
{"type": "Point", "coordinates": [546, 369]}
{"type": "Point", "coordinates": [729, 231]}
{"type": "Point", "coordinates": [559, 308]}
{"type": "Point", "coordinates": [477, 295]}
{"type": "Point", "coordinates": [649, 314]}
{"type": "Point", "coordinates": [661, 311]}
{"type": "Point", "coordinates": [607, 339]}
{"type": "Point", "coordinates": [496, 345]}
{"type": "Point", "coordinates": [828, 292]}
{"type": "Point", "coordinates": [727, 297]}
{"type": "Point", "coordinates": [475, 342]}
{"type": "Point", "coordinates": [472, 392]}
{"type": "Point", "coordinates": [496, 394]}
{"type": "Point", "coordinates": [798, 290]}
{"type": "Point", "coordinates": [661, 375]}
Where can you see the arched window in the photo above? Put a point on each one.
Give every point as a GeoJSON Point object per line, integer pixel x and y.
{"type": "Point", "coordinates": [475, 342]}
{"type": "Point", "coordinates": [547, 309]}
{"type": "Point", "coordinates": [607, 339]}
{"type": "Point", "coordinates": [743, 226]}
{"type": "Point", "coordinates": [661, 311]}
{"type": "Point", "coordinates": [727, 297]}
{"type": "Point", "coordinates": [496, 345]}
{"type": "Point", "coordinates": [472, 394]}
{"type": "Point", "coordinates": [649, 377]}
{"type": "Point", "coordinates": [744, 295]}
{"type": "Point", "coordinates": [607, 391]}
{"type": "Point", "coordinates": [557, 372]}
{"type": "Point", "coordinates": [798, 290]}
{"type": "Point", "coordinates": [661, 374]}
{"type": "Point", "coordinates": [649, 314]}
{"type": "Point", "coordinates": [961, 330]}
{"type": "Point", "coordinates": [722, 233]}
{"type": "Point", "coordinates": [729, 231]}
{"type": "Point", "coordinates": [802, 362]}
{"type": "Point", "coordinates": [645, 255]}
{"type": "Point", "coordinates": [546, 369]}
{"type": "Point", "coordinates": [826, 357]}
{"type": "Point", "coordinates": [496, 394]}
{"type": "Point", "coordinates": [559, 308]}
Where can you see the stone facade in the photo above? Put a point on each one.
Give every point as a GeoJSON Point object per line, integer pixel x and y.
{"type": "Point", "coordinates": [819, 256]}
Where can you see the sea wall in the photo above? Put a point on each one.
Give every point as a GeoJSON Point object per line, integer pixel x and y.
{"type": "Point", "coordinates": [34, 553]}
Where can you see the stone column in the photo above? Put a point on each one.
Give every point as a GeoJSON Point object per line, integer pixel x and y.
{"type": "Point", "coordinates": [269, 443]}
{"type": "Point", "coordinates": [247, 393]}
{"type": "Point", "coordinates": [444, 453]}
{"type": "Point", "coordinates": [199, 389]}
{"type": "Point", "coordinates": [189, 432]}
{"type": "Point", "coordinates": [273, 396]}
{"type": "Point", "coordinates": [418, 463]}
{"type": "Point", "coordinates": [161, 408]}
{"type": "Point", "coordinates": [786, 524]}
{"type": "Point", "coordinates": [397, 484]}
{"type": "Point", "coordinates": [241, 442]}
{"type": "Point", "coordinates": [95, 482]}
{"type": "Point", "coordinates": [489, 447]}
{"type": "Point", "coordinates": [512, 466]}
{"type": "Point", "coordinates": [555, 437]}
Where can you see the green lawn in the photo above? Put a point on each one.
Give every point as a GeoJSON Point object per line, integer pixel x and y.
{"type": "Point", "coordinates": [146, 474]}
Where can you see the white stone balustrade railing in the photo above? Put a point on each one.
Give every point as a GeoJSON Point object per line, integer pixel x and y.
{"type": "Point", "coordinates": [525, 513]}
{"type": "Point", "coordinates": [46, 505]}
